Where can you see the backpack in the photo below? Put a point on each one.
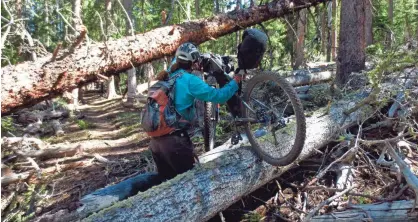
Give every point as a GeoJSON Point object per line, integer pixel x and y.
{"type": "Point", "coordinates": [159, 116]}
{"type": "Point", "coordinates": [252, 48]}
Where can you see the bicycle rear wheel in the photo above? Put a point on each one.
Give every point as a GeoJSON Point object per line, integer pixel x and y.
{"type": "Point", "coordinates": [278, 130]}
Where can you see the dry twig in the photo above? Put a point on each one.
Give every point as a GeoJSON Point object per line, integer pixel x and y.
{"type": "Point", "coordinates": [329, 200]}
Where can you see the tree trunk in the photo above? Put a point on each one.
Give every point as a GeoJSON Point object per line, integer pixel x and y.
{"type": "Point", "coordinates": [393, 211]}
{"type": "Point", "coordinates": [149, 72]}
{"type": "Point", "coordinates": [323, 30]}
{"type": "Point", "coordinates": [216, 6]}
{"type": "Point", "coordinates": [389, 37]}
{"type": "Point", "coordinates": [117, 84]}
{"type": "Point", "coordinates": [77, 22]}
{"type": "Point", "coordinates": [368, 22]}
{"type": "Point", "coordinates": [197, 8]}
{"type": "Point", "coordinates": [224, 175]}
{"type": "Point", "coordinates": [291, 37]}
{"type": "Point", "coordinates": [127, 4]}
{"type": "Point", "coordinates": [131, 85]}
{"type": "Point", "coordinates": [300, 44]}
{"type": "Point", "coordinates": [111, 91]}
{"type": "Point", "coordinates": [81, 94]}
{"type": "Point", "coordinates": [416, 9]}
{"type": "Point", "coordinates": [351, 53]}
{"type": "Point", "coordinates": [21, 85]}
{"type": "Point", "coordinates": [108, 8]}
{"type": "Point", "coordinates": [47, 27]}
{"type": "Point", "coordinates": [334, 30]}
{"type": "Point", "coordinates": [74, 94]}
{"type": "Point", "coordinates": [171, 12]}
{"type": "Point", "coordinates": [129, 19]}
{"type": "Point", "coordinates": [330, 21]}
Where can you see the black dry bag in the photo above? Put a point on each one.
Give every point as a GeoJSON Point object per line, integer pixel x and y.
{"type": "Point", "coordinates": [251, 49]}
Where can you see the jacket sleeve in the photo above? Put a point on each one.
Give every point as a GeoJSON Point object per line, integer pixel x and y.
{"type": "Point", "coordinates": [202, 91]}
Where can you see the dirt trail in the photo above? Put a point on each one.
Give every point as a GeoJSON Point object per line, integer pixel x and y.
{"type": "Point", "coordinates": [104, 122]}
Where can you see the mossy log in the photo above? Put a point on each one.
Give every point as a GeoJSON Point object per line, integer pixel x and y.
{"type": "Point", "coordinates": [225, 175]}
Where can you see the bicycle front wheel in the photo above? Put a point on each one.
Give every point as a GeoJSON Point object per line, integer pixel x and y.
{"type": "Point", "coordinates": [278, 130]}
{"type": "Point", "coordinates": [209, 129]}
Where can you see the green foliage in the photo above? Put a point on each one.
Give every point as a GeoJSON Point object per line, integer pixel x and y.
{"type": "Point", "coordinates": [7, 125]}
{"type": "Point", "coordinates": [252, 217]}
{"type": "Point", "coordinates": [82, 124]}
{"type": "Point", "coordinates": [389, 61]}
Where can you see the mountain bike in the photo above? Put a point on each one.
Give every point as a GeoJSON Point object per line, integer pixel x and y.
{"type": "Point", "coordinates": [270, 112]}
{"type": "Point", "coordinates": [210, 118]}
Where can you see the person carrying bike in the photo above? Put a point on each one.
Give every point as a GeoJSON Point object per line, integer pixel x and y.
{"type": "Point", "coordinates": [173, 152]}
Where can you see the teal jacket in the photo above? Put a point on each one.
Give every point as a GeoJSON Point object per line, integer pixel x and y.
{"type": "Point", "coordinates": [189, 87]}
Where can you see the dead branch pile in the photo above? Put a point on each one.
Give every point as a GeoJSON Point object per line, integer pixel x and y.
{"type": "Point", "coordinates": [368, 173]}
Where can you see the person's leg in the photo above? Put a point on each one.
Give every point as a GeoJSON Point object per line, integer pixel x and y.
{"type": "Point", "coordinates": [178, 153]}
{"type": "Point", "coordinates": [163, 168]}
{"type": "Point", "coordinates": [182, 159]}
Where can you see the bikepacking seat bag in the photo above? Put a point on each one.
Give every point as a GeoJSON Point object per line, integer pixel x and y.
{"type": "Point", "coordinates": [159, 116]}
{"type": "Point", "coordinates": [251, 49]}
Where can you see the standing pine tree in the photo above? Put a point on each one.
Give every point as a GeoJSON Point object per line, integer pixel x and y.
{"type": "Point", "coordinates": [351, 51]}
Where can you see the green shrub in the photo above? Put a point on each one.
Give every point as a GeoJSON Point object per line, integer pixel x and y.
{"type": "Point", "coordinates": [7, 125]}
{"type": "Point", "coordinates": [84, 124]}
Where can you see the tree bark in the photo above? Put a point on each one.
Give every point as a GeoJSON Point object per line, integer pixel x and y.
{"type": "Point", "coordinates": [77, 22]}
{"type": "Point", "coordinates": [323, 29]}
{"type": "Point", "coordinates": [351, 51]}
{"type": "Point", "coordinates": [330, 21]}
{"type": "Point", "coordinates": [108, 8]}
{"type": "Point", "coordinates": [334, 30]}
{"type": "Point", "coordinates": [111, 91]}
{"type": "Point", "coordinates": [368, 22]}
{"type": "Point", "coordinates": [389, 37]}
{"type": "Point", "coordinates": [224, 175]}
{"type": "Point", "coordinates": [216, 6]}
{"type": "Point", "coordinates": [197, 8]}
{"type": "Point", "coordinates": [300, 44]}
{"type": "Point", "coordinates": [394, 211]}
{"type": "Point", "coordinates": [149, 72]}
{"type": "Point", "coordinates": [48, 27]}
{"type": "Point", "coordinates": [28, 83]}
{"type": "Point", "coordinates": [74, 95]}
{"type": "Point", "coordinates": [131, 85]}
{"type": "Point", "coordinates": [291, 36]}
{"type": "Point", "coordinates": [416, 8]}
{"type": "Point", "coordinates": [127, 4]}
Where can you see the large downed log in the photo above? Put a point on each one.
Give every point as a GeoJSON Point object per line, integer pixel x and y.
{"type": "Point", "coordinates": [391, 211]}
{"type": "Point", "coordinates": [224, 176]}
{"type": "Point", "coordinates": [31, 82]}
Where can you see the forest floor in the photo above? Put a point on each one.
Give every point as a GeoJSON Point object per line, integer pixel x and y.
{"type": "Point", "coordinates": [105, 121]}
{"type": "Point", "coordinates": [109, 123]}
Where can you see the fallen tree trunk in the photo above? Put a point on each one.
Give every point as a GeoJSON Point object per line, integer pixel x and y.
{"type": "Point", "coordinates": [28, 83]}
{"type": "Point", "coordinates": [313, 78]}
{"type": "Point", "coordinates": [56, 125]}
{"type": "Point", "coordinates": [34, 116]}
{"type": "Point", "coordinates": [225, 175]}
{"type": "Point", "coordinates": [394, 211]}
